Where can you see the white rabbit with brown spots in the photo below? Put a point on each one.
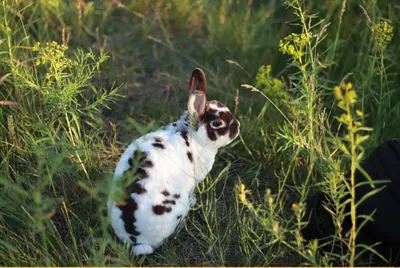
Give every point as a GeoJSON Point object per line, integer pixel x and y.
{"type": "Point", "coordinates": [159, 171]}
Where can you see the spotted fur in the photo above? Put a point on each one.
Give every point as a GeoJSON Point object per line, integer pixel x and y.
{"type": "Point", "coordinates": [190, 157]}
{"type": "Point", "coordinates": [165, 192]}
{"type": "Point", "coordinates": [159, 171]}
{"type": "Point", "coordinates": [184, 135]}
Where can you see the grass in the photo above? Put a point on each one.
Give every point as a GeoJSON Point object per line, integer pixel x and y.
{"type": "Point", "coordinates": [81, 79]}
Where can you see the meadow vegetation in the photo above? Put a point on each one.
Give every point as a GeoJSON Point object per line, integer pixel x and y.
{"type": "Point", "coordinates": [313, 83]}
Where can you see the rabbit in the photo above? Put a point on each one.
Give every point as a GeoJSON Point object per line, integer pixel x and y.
{"type": "Point", "coordinates": [159, 171]}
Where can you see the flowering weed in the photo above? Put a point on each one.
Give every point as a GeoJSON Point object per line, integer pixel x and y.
{"type": "Point", "coordinates": [63, 130]}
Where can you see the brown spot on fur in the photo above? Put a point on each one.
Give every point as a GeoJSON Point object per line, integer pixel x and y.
{"type": "Point", "coordinates": [177, 196]}
{"type": "Point", "coordinates": [222, 131]}
{"type": "Point", "coordinates": [136, 154]}
{"type": "Point", "coordinates": [210, 133]}
{"type": "Point", "coordinates": [133, 239]}
{"type": "Point", "coordinates": [185, 137]}
{"type": "Point", "coordinates": [142, 161]}
{"type": "Point", "coordinates": [160, 209]}
{"type": "Point", "coordinates": [211, 116]}
{"type": "Point", "coordinates": [136, 233]}
{"type": "Point", "coordinates": [226, 117]}
{"type": "Point", "coordinates": [165, 192]}
{"type": "Point", "coordinates": [169, 202]}
{"type": "Point", "coordinates": [149, 163]}
{"type": "Point", "coordinates": [157, 139]}
{"type": "Point", "coordinates": [141, 164]}
{"type": "Point", "coordinates": [189, 155]}
{"type": "Point", "coordinates": [141, 172]}
{"type": "Point", "coordinates": [159, 145]}
{"type": "Point", "coordinates": [143, 155]}
{"type": "Point", "coordinates": [136, 188]}
{"type": "Point", "coordinates": [128, 216]}
{"type": "Point", "coordinates": [233, 130]}
{"type": "Point", "coordinates": [208, 117]}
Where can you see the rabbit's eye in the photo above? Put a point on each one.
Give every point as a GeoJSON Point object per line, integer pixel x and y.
{"type": "Point", "coordinates": [217, 124]}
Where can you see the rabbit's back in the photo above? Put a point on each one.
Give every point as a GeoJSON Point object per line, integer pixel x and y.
{"type": "Point", "coordinates": [159, 199]}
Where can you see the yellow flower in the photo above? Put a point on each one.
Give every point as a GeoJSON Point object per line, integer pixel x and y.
{"type": "Point", "coordinates": [275, 226]}
{"type": "Point", "coordinates": [294, 45]}
{"type": "Point", "coordinates": [345, 95]}
{"type": "Point", "coordinates": [242, 194]}
{"type": "Point", "coordinates": [383, 32]}
{"type": "Point", "coordinates": [345, 118]}
{"type": "Point", "coordinates": [36, 47]}
{"type": "Point", "coordinates": [270, 200]}
{"type": "Point", "coordinates": [338, 93]}
{"type": "Point", "coordinates": [350, 97]}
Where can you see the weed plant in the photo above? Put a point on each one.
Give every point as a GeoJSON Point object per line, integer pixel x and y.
{"type": "Point", "coordinates": [314, 84]}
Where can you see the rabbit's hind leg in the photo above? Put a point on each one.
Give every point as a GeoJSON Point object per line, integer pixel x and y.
{"type": "Point", "coordinates": [142, 249]}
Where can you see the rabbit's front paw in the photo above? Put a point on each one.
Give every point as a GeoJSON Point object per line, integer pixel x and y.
{"type": "Point", "coordinates": [192, 201]}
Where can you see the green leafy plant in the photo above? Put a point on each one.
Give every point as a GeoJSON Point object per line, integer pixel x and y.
{"type": "Point", "coordinates": [63, 130]}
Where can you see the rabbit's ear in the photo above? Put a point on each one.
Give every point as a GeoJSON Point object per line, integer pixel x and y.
{"type": "Point", "coordinates": [198, 81]}
{"type": "Point", "coordinates": [197, 99]}
{"type": "Point", "coordinates": [197, 103]}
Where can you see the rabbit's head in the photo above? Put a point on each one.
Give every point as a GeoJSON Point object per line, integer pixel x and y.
{"type": "Point", "coordinates": [214, 122]}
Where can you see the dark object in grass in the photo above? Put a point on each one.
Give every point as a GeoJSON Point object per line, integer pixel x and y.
{"type": "Point", "coordinates": [382, 164]}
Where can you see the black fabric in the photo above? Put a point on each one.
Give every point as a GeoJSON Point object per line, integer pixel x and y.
{"type": "Point", "coordinates": [382, 164]}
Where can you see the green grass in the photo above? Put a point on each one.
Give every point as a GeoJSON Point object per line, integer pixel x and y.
{"type": "Point", "coordinates": [66, 115]}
